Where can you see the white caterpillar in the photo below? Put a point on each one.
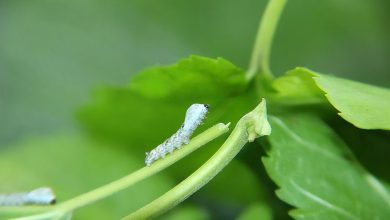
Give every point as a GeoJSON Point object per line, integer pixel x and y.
{"type": "Point", "coordinates": [194, 117]}
{"type": "Point", "coordinates": [40, 196]}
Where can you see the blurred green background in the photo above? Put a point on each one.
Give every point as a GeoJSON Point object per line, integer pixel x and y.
{"type": "Point", "coordinates": [54, 53]}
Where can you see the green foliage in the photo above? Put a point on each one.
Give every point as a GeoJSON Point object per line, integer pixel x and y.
{"type": "Point", "coordinates": [190, 78]}
{"type": "Point", "coordinates": [365, 106]}
{"type": "Point", "coordinates": [296, 87]}
{"type": "Point", "coordinates": [318, 175]}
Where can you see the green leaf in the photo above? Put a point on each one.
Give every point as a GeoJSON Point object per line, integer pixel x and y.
{"type": "Point", "coordinates": [190, 78]}
{"type": "Point", "coordinates": [318, 175]}
{"type": "Point", "coordinates": [363, 105]}
{"type": "Point", "coordinates": [296, 87]}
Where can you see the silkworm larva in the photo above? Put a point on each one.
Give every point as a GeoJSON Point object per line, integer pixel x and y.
{"type": "Point", "coordinates": [40, 196]}
{"type": "Point", "coordinates": [194, 117]}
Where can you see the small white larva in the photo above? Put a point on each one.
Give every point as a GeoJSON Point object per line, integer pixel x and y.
{"type": "Point", "coordinates": [40, 196]}
{"type": "Point", "coordinates": [194, 117]}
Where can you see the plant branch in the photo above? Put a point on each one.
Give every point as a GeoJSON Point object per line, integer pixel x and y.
{"type": "Point", "coordinates": [251, 126]}
{"type": "Point", "coordinates": [141, 174]}
{"type": "Point", "coordinates": [259, 62]}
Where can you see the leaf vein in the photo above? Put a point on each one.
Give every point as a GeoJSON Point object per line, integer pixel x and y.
{"type": "Point", "coordinates": [378, 188]}
{"type": "Point", "coordinates": [309, 145]}
{"type": "Point", "coordinates": [323, 202]}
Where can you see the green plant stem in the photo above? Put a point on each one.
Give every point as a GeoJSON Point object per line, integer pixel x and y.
{"type": "Point", "coordinates": [195, 181]}
{"type": "Point", "coordinates": [251, 126]}
{"type": "Point", "coordinates": [259, 63]}
{"type": "Point", "coordinates": [141, 174]}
